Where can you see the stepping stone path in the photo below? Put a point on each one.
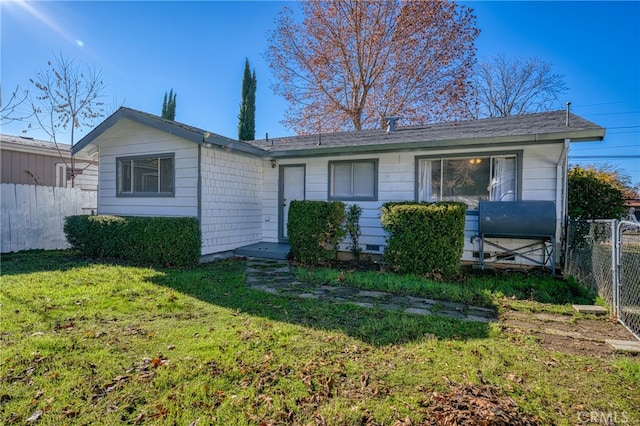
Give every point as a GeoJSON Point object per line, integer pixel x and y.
{"type": "Point", "coordinates": [275, 277]}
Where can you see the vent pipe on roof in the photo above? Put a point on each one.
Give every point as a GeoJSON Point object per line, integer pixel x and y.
{"type": "Point", "coordinates": [568, 107]}
{"type": "Point", "coordinates": [391, 123]}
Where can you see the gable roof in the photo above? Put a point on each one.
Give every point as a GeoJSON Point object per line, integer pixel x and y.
{"type": "Point", "coordinates": [539, 127]}
{"type": "Point", "coordinates": [184, 131]}
{"type": "Point", "coordinates": [545, 127]}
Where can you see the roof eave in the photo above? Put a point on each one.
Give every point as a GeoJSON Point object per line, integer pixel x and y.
{"type": "Point", "coordinates": [589, 135]}
{"type": "Point", "coordinates": [233, 145]}
{"type": "Point", "coordinates": [193, 135]}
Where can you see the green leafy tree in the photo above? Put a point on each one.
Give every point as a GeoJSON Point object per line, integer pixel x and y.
{"type": "Point", "coordinates": [247, 116]}
{"type": "Point", "coordinates": [597, 193]}
{"type": "Point", "coordinates": [169, 106]}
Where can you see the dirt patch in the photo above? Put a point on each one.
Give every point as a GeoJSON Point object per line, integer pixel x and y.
{"type": "Point", "coordinates": [567, 334]}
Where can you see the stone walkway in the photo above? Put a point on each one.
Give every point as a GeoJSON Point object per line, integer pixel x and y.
{"type": "Point", "coordinates": [275, 277]}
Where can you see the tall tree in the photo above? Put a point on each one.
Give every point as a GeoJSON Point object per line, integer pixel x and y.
{"type": "Point", "coordinates": [65, 98]}
{"type": "Point", "coordinates": [247, 115]}
{"type": "Point", "coordinates": [169, 106]}
{"type": "Point", "coordinates": [348, 64]}
{"type": "Point", "coordinates": [511, 86]}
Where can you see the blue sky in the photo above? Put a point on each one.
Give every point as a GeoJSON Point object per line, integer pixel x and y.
{"type": "Point", "coordinates": [199, 48]}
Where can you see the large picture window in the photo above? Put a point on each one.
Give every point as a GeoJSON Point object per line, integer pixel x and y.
{"type": "Point", "coordinates": [468, 179]}
{"type": "Point", "coordinates": [353, 180]}
{"type": "Point", "coordinates": [146, 176]}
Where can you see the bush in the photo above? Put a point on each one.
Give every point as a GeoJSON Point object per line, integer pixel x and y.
{"type": "Point", "coordinates": [314, 229]}
{"type": "Point", "coordinates": [166, 241]}
{"type": "Point", "coordinates": [425, 239]}
{"type": "Point", "coordinates": [594, 194]}
{"type": "Point", "coordinates": [352, 226]}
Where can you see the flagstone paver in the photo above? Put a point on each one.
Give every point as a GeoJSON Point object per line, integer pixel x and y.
{"type": "Point", "coordinates": [275, 277]}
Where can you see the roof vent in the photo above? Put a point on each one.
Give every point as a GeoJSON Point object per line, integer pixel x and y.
{"type": "Point", "coordinates": [391, 123]}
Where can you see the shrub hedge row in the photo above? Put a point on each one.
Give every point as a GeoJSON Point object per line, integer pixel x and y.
{"type": "Point", "coordinates": [424, 238]}
{"type": "Point", "coordinates": [165, 241]}
{"type": "Point", "coordinates": [314, 229]}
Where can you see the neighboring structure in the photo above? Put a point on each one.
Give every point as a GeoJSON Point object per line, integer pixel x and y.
{"type": "Point", "coordinates": [240, 191]}
{"type": "Point", "coordinates": [36, 192]}
{"type": "Point", "coordinates": [30, 161]}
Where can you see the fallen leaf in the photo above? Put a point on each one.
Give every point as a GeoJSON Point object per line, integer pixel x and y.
{"type": "Point", "coordinates": [35, 416]}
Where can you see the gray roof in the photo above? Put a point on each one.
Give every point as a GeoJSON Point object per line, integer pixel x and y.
{"type": "Point", "coordinates": [545, 127]}
{"type": "Point", "coordinates": [185, 131]}
{"type": "Point", "coordinates": [525, 129]}
{"type": "Point", "coordinates": [9, 141]}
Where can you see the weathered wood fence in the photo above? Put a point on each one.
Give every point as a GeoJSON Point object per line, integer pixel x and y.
{"type": "Point", "coordinates": [33, 215]}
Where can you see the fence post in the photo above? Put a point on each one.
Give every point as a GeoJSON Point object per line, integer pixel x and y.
{"type": "Point", "coordinates": [615, 265]}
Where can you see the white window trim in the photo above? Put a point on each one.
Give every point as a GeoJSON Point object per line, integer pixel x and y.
{"type": "Point", "coordinates": [330, 189]}
{"type": "Point", "coordinates": [517, 155]}
{"type": "Point", "coordinates": [120, 160]}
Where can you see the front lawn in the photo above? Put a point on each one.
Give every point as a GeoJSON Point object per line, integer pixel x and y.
{"type": "Point", "coordinates": [95, 343]}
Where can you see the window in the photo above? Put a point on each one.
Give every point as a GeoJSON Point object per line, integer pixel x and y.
{"type": "Point", "coordinates": [146, 176]}
{"type": "Point", "coordinates": [468, 179]}
{"type": "Point", "coordinates": [353, 180]}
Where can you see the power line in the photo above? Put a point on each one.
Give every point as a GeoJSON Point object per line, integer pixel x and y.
{"type": "Point", "coordinates": [604, 103]}
{"type": "Point", "coordinates": [611, 157]}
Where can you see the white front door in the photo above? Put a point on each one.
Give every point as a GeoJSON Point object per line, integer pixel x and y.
{"type": "Point", "coordinates": [292, 183]}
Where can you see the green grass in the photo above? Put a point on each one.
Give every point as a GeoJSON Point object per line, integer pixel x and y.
{"type": "Point", "coordinates": [478, 288]}
{"type": "Point", "coordinates": [96, 343]}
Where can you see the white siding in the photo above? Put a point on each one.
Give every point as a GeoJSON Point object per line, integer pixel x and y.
{"type": "Point", "coordinates": [231, 212]}
{"type": "Point", "coordinates": [396, 182]}
{"type": "Point", "coordinates": [127, 138]}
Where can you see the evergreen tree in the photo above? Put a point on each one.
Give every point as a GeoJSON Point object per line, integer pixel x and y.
{"type": "Point", "coordinates": [169, 106]}
{"type": "Point", "coordinates": [247, 116]}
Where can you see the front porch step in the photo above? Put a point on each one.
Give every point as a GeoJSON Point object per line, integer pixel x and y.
{"type": "Point", "coordinates": [264, 250]}
{"type": "Point", "coordinates": [590, 309]}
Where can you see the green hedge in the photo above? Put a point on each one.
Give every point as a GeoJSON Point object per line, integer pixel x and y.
{"type": "Point", "coordinates": [424, 238]}
{"type": "Point", "coordinates": [314, 229]}
{"type": "Point", "coordinates": [165, 241]}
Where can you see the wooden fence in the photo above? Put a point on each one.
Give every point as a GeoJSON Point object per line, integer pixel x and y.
{"type": "Point", "coordinates": [33, 215]}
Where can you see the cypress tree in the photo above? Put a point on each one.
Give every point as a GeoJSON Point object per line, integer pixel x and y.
{"type": "Point", "coordinates": [169, 106]}
{"type": "Point", "coordinates": [247, 115]}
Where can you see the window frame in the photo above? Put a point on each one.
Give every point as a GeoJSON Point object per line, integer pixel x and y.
{"type": "Point", "coordinates": [133, 158]}
{"type": "Point", "coordinates": [330, 180]}
{"type": "Point", "coordinates": [517, 154]}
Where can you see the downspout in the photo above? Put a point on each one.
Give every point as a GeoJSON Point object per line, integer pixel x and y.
{"type": "Point", "coordinates": [562, 198]}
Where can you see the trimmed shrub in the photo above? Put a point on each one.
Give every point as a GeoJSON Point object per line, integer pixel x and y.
{"type": "Point", "coordinates": [165, 241]}
{"type": "Point", "coordinates": [424, 239]}
{"type": "Point", "coordinates": [314, 229]}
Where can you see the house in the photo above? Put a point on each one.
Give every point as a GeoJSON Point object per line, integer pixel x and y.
{"type": "Point", "coordinates": [31, 161]}
{"type": "Point", "coordinates": [241, 191]}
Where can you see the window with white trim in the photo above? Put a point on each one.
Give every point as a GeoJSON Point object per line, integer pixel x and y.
{"type": "Point", "coordinates": [353, 180]}
{"type": "Point", "coordinates": [146, 176]}
{"type": "Point", "coordinates": [468, 179]}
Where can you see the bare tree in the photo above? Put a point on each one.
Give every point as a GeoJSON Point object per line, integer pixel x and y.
{"type": "Point", "coordinates": [512, 86]}
{"type": "Point", "coordinates": [348, 64]}
{"type": "Point", "coordinates": [65, 98]}
{"type": "Point", "coordinates": [12, 110]}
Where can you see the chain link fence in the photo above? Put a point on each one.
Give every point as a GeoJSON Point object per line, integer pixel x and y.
{"type": "Point", "coordinates": [629, 278]}
{"type": "Point", "coordinates": [604, 255]}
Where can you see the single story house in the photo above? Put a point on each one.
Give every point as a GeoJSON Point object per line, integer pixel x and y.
{"type": "Point", "coordinates": [30, 161]}
{"type": "Point", "coordinates": [241, 190]}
